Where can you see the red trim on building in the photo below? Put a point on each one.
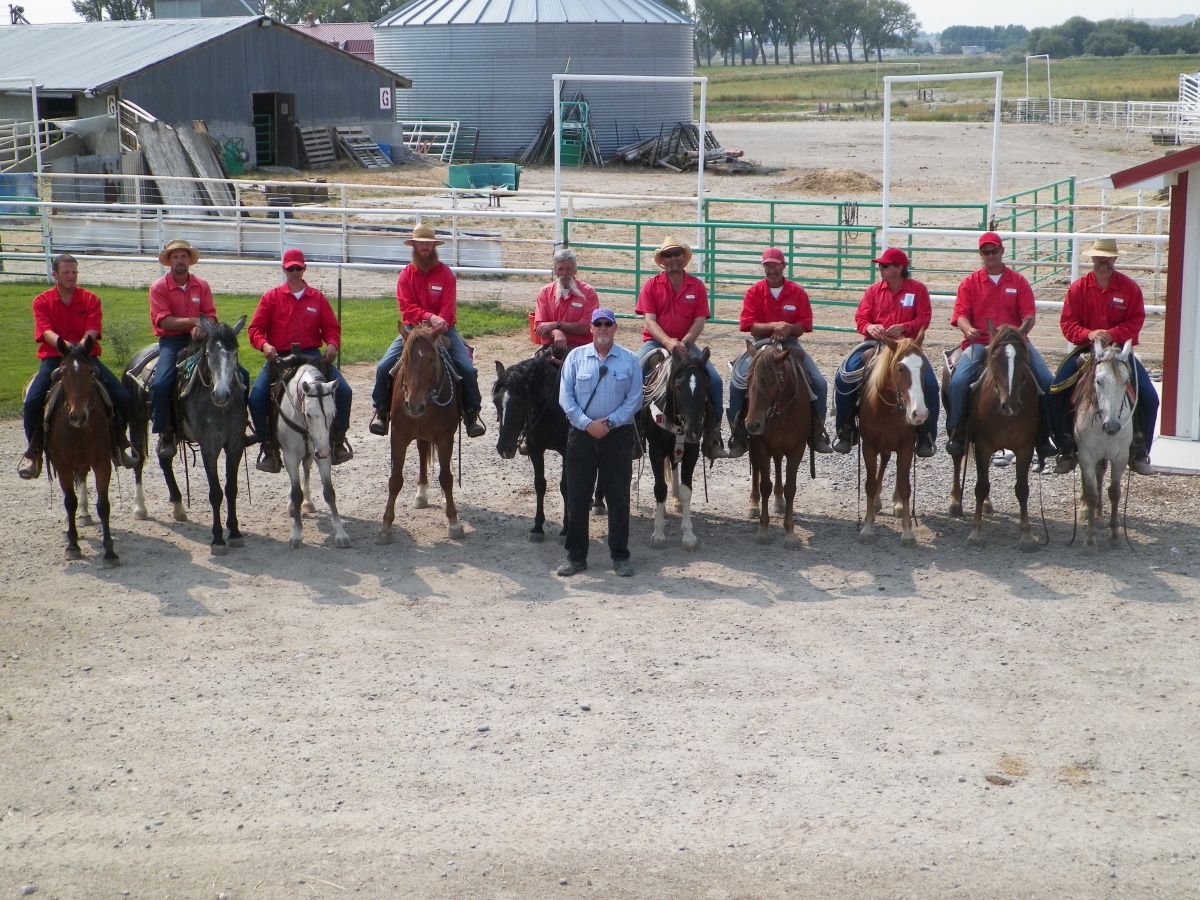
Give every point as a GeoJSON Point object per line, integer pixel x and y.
{"type": "Point", "coordinates": [1172, 162]}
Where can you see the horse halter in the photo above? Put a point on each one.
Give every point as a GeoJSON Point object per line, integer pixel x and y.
{"type": "Point", "coordinates": [441, 359]}
{"type": "Point", "coordinates": [781, 367]}
{"type": "Point", "coordinates": [298, 402]}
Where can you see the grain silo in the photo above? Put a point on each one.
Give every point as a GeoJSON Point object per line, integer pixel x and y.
{"type": "Point", "coordinates": [487, 64]}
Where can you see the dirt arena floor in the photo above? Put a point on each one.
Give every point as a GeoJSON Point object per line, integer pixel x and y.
{"type": "Point", "coordinates": [447, 718]}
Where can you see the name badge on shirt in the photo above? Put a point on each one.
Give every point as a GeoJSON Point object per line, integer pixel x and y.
{"type": "Point", "coordinates": [435, 287]}
{"type": "Point", "coordinates": [689, 296]}
{"type": "Point", "coordinates": [1118, 301]}
{"type": "Point", "coordinates": [577, 304]}
{"type": "Point", "coordinates": [311, 309]}
{"type": "Point", "coordinates": [789, 309]}
{"type": "Point", "coordinates": [908, 300]}
{"type": "Point", "coordinates": [196, 300]}
{"type": "Point", "coordinates": [1010, 290]}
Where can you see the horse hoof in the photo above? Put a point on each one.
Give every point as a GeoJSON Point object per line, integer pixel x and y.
{"type": "Point", "coordinates": [897, 510]}
{"type": "Point", "coordinates": [383, 537]}
{"type": "Point", "coordinates": [72, 554]}
{"type": "Point", "coordinates": [342, 543]}
{"type": "Point", "coordinates": [536, 537]}
{"type": "Point", "coordinates": [1089, 549]}
{"type": "Point", "coordinates": [310, 507]}
{"type": "Point", "coordinates": [792, 542]}
{"type": "Point", "coordinates": [752, 512]}
{"type": "Point", "coordinates": [878, 504]}
{"type": "Point", "coordinates": [218, 549]}
{"type": "Point", "coordinates": [658, 542]}
{"type": "Point", "coordinates": [420, 503]}
{"type": "Point", "coordinates": [236, 541]}
{"type": "Point", "coordinates": [456, 531]}
{"type": "Point", "coordinates": [866, 537]}
{"type": "Point", "coordinates": [975, 539]}
{"type": "Point", "coordinates": [956, 510]}
{"type": "Point", "coordinates": [987, 505]}
{"type": "Point", "coordinates": [178, 513]}
{"type": "Point", "coordinates": [1030, 546]}
{"type": "Point", "coordinates": [86, 521]}
{"type": "Point", "coordinates": [294, 543]}
{"type": "Point", "coordinates": [599, 510]}
{"type": "Point", "coordinates": [780, 507]}
{"type": "Point", "coordinates": [111, 562]}
{"type": "Point", "coordinates": [763, 537]}
{"type": "Point", "coordinates": [907, 540]}
{"type": "Point", "coordinates": [690, 543]}
{"type": "Point", "coordinates": [140, 514]}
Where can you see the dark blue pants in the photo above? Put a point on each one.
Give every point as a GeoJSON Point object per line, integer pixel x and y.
{"type": "Point", "coordinates": [612, 458]}
{"type": "Point", "coordinates": [1144, 415]}
{"type": "Point", "coordinates": [846, 395]}
{"type": "Point", "coordinates": [169, 349]}
{"type": "Point", "coordinates": [260, 396]}
{"type": "Point", "coordinates": [35, 400]}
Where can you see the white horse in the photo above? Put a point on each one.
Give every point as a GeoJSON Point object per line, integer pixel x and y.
{"type": "Point", "coordinates": [1104, 407]}
{"type": "Point", "coordinates": [306, 412]}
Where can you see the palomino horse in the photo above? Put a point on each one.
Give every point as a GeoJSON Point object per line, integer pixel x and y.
{"type": "Point", "coordinates": [212, 405]}
{"type": "Point", "coordinates": [891, 409]}
{"type": "Point", "coordinates": [1003, 414]}
{"type": "Point", "coordinates": [306, 413]}
{"type": "Point", "coordinates": [79, 440]}
{"type": "Point", "coordinates": [779, 422]}
{"type": "Point", "coordinates": [674, 420]}
{"type": "Point", "coordinates": [1104, 402]}
{"type": "Point", "coordinates": [425, 408]}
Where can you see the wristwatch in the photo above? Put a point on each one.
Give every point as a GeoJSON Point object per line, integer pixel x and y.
{"type": "Point", "coordinates": [558, 326]}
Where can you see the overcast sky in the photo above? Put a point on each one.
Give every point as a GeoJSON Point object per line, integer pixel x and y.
{"type": "Point", "coordinates": [934, 14]}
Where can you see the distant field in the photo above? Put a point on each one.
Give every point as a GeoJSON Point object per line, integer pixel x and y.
{"type": "Point", "coordinates": [772, 92]}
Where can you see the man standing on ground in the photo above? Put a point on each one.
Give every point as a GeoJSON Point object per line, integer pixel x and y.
{"type": "Point", "coordinates": [601, 392]}
{"type": "Point", "coordinates": [563, 313]}
{"type": "Point", "coordinates": [427, 293]}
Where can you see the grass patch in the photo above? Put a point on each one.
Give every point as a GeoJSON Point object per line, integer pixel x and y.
{"type": "Point", "coordinates": [368, 327]}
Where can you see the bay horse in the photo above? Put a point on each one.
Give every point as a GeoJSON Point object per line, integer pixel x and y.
{"type": "Point", "coordinates": [1104, 402]}
{"type": "Point", "coordinates": [779, 423]}
{"type": "Point", "coordinates": [212, 406]}
{"type": "Point", "coordinates": [79, 441]}
{"type": "Point", "coordinates": [425, 409]}
{"type": "Point", "coordinates": [1003, 414]}
{"type": "Point", "coordinates": [674, 419]}
{"type": "Point", "coordinates": [891, 409]}
{"type": "Point", "coordinates": [307, 411]}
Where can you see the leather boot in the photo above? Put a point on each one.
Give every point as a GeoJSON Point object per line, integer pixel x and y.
{"type": "Point", "coordinates": [925, 448]}
{"type": "Point", "coordinates": [125, 456]}
{"type": "Point", "coordinates": [956, 441]}
{"type": "Point", "coordinates": [269, 459]}
{"type": "Point", "coordinates": [379, 423]}
{"type": "Point", "coordinates": [166, 444]}
{"type": "Point", "coordinates": [341, 450]}
{"type": "Point", "coordinates": [712, 446]}
{"type": "Point", "coordinates": [739, 438]}
{"type": "Point", "coordinates": [30, 466]}
{"type": "Point", "coordinates": [818, 438]}
{"type": "Point", "coordinates": [1139, 457]}
{"type": "Point", "coordinates": [846, 439]}
{"type": "Point", "coordinates": [1066, 461]}
{"type": "Point", "coordinates": [475, 428]}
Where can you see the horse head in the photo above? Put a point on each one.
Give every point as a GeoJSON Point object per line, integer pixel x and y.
{"type": "Point", "coordinates": [688, 392]}
{"type": "Point", "coordinates": [221, 358]}
{"type": "Point", "coordinates": [1112, 371]}
{"type": "Point", "coordinates": [78, 378]}
{"type": "Point", "coordinates": [898, 368]}
{"type": "Point", "coordinates": [314, 401]}
{"type": "Point", "coordinates": [771, 381]}
{"type": "Point", "coordinates": [421, 371]}
{"type": "Point", "coordinates": [510, 394]}
{"type": "Point", "coordinates": [1007, 365]}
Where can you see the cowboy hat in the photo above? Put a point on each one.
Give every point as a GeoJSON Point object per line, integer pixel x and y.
{"type": "Point", "coordinates": [165, 256]}
{"type": "Point", "coordinates": [424, 232]}
{"type": "Point", "coordinates": [669, 243]}
{"type": "Point", "coordinates": [1104, 247]}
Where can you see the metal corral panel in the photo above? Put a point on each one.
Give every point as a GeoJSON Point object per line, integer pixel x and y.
{"type": "Point", "coordinates": [498, 77]}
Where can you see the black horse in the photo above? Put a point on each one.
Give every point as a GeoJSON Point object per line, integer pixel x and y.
{"type": "Point", "coordinates": [674, 420]}
{"type": "Point", "coordinates": [526, 398]}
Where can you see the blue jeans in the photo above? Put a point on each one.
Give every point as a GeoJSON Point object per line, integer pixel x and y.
{"type": "Point", "coordinates": [1144, 415]}
{"type": "Point", "coordinates": [472, 400]}
{"type": "Point", "coordinates": [820, 387]}
{"type": "Point", "coordinates": [716, 391]}
{"type": "Point", "coordinates": [164, 379]}
{"type": "Point", "coordinates": [35, 400]}
{"type": "Point", "coordinates": [968, 370]}
{"type": "Point", "coordinates": [846, 395]}
{"type": "Point", "coordinates": [260, 396]}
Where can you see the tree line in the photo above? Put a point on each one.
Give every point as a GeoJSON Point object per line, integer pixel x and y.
{"type": "Point", "coordinates": [1112, 37]}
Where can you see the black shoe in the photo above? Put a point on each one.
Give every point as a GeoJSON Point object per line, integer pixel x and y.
{"type": "Point", "coordinates": [475, 428]}
{"type": "Point", "coordinates": [166, 446]}
{"type": "Point", "coordinates": [379, 424]}
{"type": "Point", "coordinates": [269, 461]}
{"type": "Point", "coordinates": [622, 567]}
{"type": "Point", "coordinates": [572, 567]}
{"type": "Point", "coordinates": [925, 448]}
{"type": "Point", "coordinates": [250, 440]}
{"type": "Point", "coordinates": [955, 447]}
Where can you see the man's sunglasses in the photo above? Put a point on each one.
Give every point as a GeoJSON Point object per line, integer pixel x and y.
{"type": "Point", "coordinates": [604, 323]}
{"type": "Point", "coordinates": [995, 251]}
{"type": "Point", "coordinates": [671, 254]}
{"type": "Point", "coordinates": [294, 269]}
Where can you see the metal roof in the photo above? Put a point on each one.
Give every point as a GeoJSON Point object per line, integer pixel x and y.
{"type": "Point", "coordinates": [90, 56]}
{"type": "Point", "coordinates": [500, 12]}
{"type": "Point", "coordinates": [337, 32]}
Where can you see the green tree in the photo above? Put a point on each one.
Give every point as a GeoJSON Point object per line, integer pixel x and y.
{"type": "Point", "coordinates": [116, 10]}
{"type": "Point", "coordinates": [887, 24]}
{"type": "Point", "coordinates": [1107, 42]}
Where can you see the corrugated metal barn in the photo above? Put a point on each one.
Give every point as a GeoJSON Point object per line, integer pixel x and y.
{"type": "Point", "coordinates": [230, 72]}
{"type": "Point", "coordinates": [488, 64]}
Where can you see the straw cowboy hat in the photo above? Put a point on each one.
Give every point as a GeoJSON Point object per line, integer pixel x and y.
{"type": "Point", "coordinates": [1104, 247]}
{"type": "Point", "coordinates": [424, 233]}
{"type": "Point", "coordinates": [669, 243]}
{"type": "Point", "coordinates": [165, 256]}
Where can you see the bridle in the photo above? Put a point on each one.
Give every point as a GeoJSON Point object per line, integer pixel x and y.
{"type": "Point", "coordinates": [439, 382]}
{"type": "Point", "coordinates": [782, 368]}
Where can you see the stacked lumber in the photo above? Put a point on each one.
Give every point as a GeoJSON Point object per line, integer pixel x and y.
{"type": "Point", "coordinates": [679, 148]}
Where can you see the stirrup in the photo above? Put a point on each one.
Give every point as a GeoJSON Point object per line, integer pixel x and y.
{"type": "Point", "coordinates": [475, 428]}
{"type": "Point", "coordinates": [166, 446]}
{"type": "Point", "coordinates": [379, 424]}
{"type": "Point", "coordinates": [1065, 463]}
{"type": "Point", "coordinates": [819, 442]}
{"type": "Point", "coordinates": [342, 453]}
{"type": "Point", "coordinates": [925, 446]}
{"type": "Point", "coordinates": [30, 467]}
{"type": "Point", "coordinates": [1141, 465]}
{"type": "Point", "coordinates": [269, 460]}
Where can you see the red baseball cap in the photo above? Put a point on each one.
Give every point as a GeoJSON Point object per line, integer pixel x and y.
{"type": "Point", "coordinates": [892, 256]}
{"type": "Point", "coordinates": [293, 257]}
{"type": "Point", "coordinates": [772, 255]}
{"type": "Point", "coordinates": [990, 238]}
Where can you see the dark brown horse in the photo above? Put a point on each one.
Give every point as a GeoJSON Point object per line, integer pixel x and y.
{"type": "Point", "coordinates": [79, 441]}
{"type": "Point", "coordinates": [779, 421]}
{"type": "Point", "coordinates": [425, 409]}
{"type": "Point", "coordinates": [891, 409]}
{"type": "Point", "coordinates": [1003, 414]}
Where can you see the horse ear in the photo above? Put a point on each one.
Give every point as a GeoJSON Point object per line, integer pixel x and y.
{"type": "Point", "coordinates": [309, 388]}
{"type": "Point", "coordinates": [241, 323]}
{"type": "Point", "coordinates": [991, 326]}
{"type": "Point", "coordinates": [1128, 348]}
{"type": "Point", "coordinates": [1026, 327]}
{"type": "Point", "coordinates": [921, 337]}
{"type": "Point", "coordinates": [891, 342]}
{"type": "Point", "coordinates": [207, 324]}
{"type": "Point", "coordinates": [1097, 347]}
{"type": "Point", "coordinates": [88, 343]}
{"type": "Point", "coordinates": [499, 368]}
{"type": "Point", "coordinates": [64, 349]}
{"type": "Point", "coordinates": [704, 355]}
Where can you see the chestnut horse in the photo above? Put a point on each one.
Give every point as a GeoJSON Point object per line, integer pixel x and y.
{"type": "Point", "coordinates": [79, 440]}
{"type": "Point", "coordinates": [779, 422]}
{"type": "Point", "coordinates": [425, 409]}
{"type": "Point", "coordinates": [891, 409]}
{"type": "Point", "coordinates": [1003, 414]}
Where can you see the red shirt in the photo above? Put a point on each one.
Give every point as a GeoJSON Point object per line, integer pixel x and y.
{"type": "Point", "coordinates": [908, 306]}
{"type": "Point", "coordinates": [167, 298]}
{"type": "Point", "coordinates": [280, 319]}
{"type": "Point", "coordinates": [760, 307]}
{"type": "Point", "coordinates": [1008, 302]}
{"type": "Point", "coordinates": [1119, 309]}
{"type": "Point", "coordinates": [675, 311]}
{"type": "Point", "coordinates": [573, 308]}
{"type": "Point", "coordinates": [71, 321]}
{"type": "Point", "coordinates": [425, 294]}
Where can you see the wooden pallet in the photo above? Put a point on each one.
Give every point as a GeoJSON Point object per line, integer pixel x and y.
{"type": "Point", "coordinates": [318, 146]}
{"type": "Point", "coordinates": [358, 146]}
